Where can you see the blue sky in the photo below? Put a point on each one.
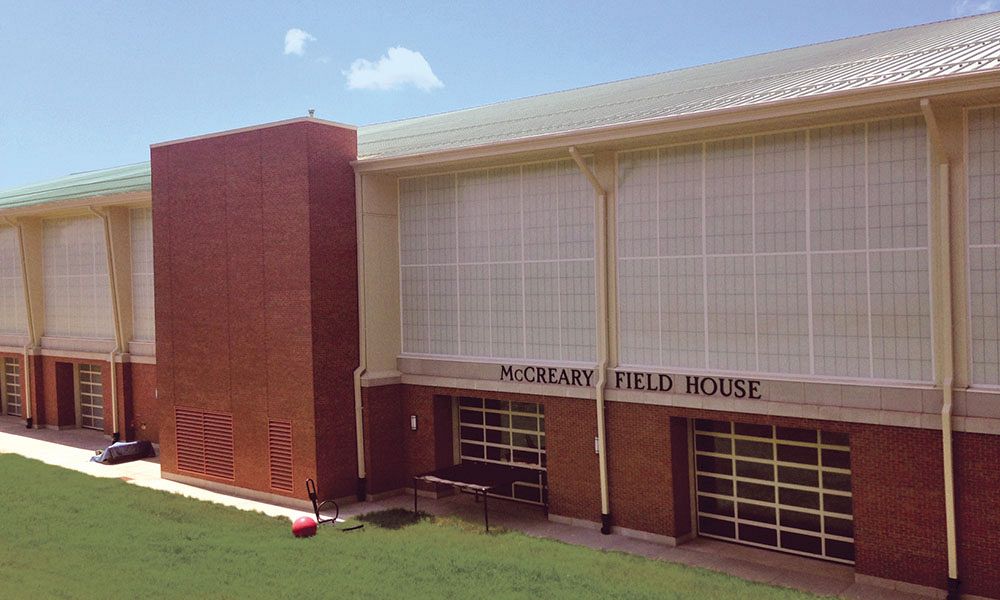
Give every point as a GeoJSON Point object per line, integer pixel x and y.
{"type": "Point", "coordinates": [86, 85]}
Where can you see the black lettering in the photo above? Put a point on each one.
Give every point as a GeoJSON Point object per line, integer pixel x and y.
{"type": "Point", "coordinates": [666, 383]}
{"type": "Point", "coordinates": [755, 390]}
{"type": "Point", "coordinates": [541, 375]}
{"type": "Point", "coordinates": [618, 379]}
{"type": "Point", "coordinates": [726, 390]}
{"type": "Point", "coordinates": [692, 385]}
{"type": "Point", "coordinates": [534, 374]}
{"type": "Point", "coordinates": [704, 388]}
{"type": "Point", "coordinates": [519, 375]}
{"type": "Point", "coordinates": [653, 383]}
{"type": "Point", "coordinates": [740, 388]}
{"type": "Point", "coordinates": [589, 375]}
{"type": "Point", "coordinates": [639, 383]}
{"type": "Point", "coordinates": [506, 373]}
{"type": "Point", "coordinates": [576, 377]}
{"type": "Point", "coordinates": [553, 378]}
{"type": "Point", "coordinates": [564, 377]}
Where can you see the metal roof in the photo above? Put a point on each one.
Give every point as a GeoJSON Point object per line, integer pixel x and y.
{"type": "Point", "coordinates": [925, 52]}
{"type": "Point", "coordinates": [103, 182]}
{"type": "Point", "coordinates": [933, 51]}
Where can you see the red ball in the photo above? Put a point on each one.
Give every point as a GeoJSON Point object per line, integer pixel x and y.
{"type": "Point", "coordinates": [304, 527]}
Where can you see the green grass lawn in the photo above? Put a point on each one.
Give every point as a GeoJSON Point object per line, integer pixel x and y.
{"type": "Point", "coordinates": [67, 535]}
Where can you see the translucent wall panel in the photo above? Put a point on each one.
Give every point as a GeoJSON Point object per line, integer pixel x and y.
{"type": "Point", "coordinates": [77, 290]}
{"type": "Point", "coordinates": [900, 305]}
{"type": "Point", "coordinates": [442, 302]}
{"type": "Point", "coordinates": [143, 310]}
{"type": "Point", "coordinates": [730, 310]}
{"type": "Point", "coordinates": [897, 184]}
{"type": "Point", "coordinates": [13, 318]}
{"type": "Point", "coordinates": [682, 311]}
{"type": "Point", "coordinates": [729, 196]}
{"type": "Point", "coordinates": [780, 193]}
{"type": "Point", "coordinates": [984, 245]}
{"type": "Point", "coordinates": [837, 188]}
{"type": "Point", "coordinates": [498, 263]}
{"type": "Point", "coordinates": [766, 248]}
{"type": "Point", "coordinates": [840, 314]}
{"type": "Point", "coordinates": [639, 305]}
{"type": "Point", "coordinates": [782, 313]}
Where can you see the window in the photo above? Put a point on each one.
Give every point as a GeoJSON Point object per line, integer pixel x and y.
{"type": "Point", "coordinates": [75, 273]}
{"type": "Point", "coordinates": [143, 317]}
{"type": "Point", "coordinates": [506, 433]}
{"type": "Point", "coordinates": [776, 487]}
{"type": "Point", "coordinates": [984, 245]}
{"type": "Point", "coordinates": [498, 263]}
{"type": "Point", "coordinates": [798, 253]}
{"type": "Point", "coordinates": [11, 387]}
{"type": "Point", "coordinates": [90, 397]}
{"type": "Point", "coordinates": [13, 319]}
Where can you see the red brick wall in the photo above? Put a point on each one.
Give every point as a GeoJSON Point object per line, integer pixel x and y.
{"type": "Point", "coordinates": [384, 430]}
{"type": "Point", "coordinates": [430, 446]}
{"type": "Point", "coordinates": [333, 274]}
{"type": "Point", "coordinates": [897, 482]}
{"type": "Point", "coordinates": [142, 413]}
{"type": "Point", "coordinates": [255, 307]}
{"type": "Point", "coordinates": [640, 474]}
{"type": "Point", "coordinates": [977, 488]}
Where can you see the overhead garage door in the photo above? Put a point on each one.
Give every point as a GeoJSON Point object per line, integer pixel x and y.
{"type": "Point", "coordinates": [506, 433]}
{"type": "Point", "coordinates": [775, 487]}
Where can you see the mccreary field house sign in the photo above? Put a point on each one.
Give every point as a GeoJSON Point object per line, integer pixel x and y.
{"type": "Point", "coordinates": [729, 387]}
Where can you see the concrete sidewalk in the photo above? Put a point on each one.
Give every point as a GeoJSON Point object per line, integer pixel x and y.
{"type": "Point", "coordinates": [73, 448]}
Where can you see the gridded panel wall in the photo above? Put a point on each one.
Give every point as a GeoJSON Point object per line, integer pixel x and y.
{"type": "Point", "coordinates": [77, 290]}
{"type": "Point", "coordinates": [984, 245]}
{"type": "Point", "coordinates": [798, 253]}
{"type": "Point", "coordinates": [12, 315]}
{"type": "Point", "coordinates": [498, 263]}
{"type": "Point", "coordinates": [143, 318]}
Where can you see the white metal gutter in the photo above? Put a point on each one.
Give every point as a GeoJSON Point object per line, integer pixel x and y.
{"type": "Point", "coordinates": [601, 286]}
{"type": "Point", "coordinates": [116, 314]}
{"type": "Point", "coordinates": [947, 372]}
{"type": "Point", "coordinates": [362, 340]}
{"type": "Point", "coordinates": [30, 345]}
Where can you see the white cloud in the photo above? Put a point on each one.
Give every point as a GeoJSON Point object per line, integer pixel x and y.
{"type": "Point", "coordinates": [397, 68]}
{"type": "Point", "coordinates": [295, 41]}
{"type": "Point", "coordinates": [964, 8]}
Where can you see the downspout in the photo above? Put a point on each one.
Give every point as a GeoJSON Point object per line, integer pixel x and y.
{"type": "Point", "coordinates": [601, 285]}
{"type": "Point", "coordinates": [359, 212]}
{"type": "Point", "coordinates": [30, 345]}
{"type": "Point", "coordinates": [947, 374]}
{"type": "Point", "coordinates": [113, 356]}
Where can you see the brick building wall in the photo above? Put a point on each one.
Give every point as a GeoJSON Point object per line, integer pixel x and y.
{"type": "Point", "coordinates": [977, 479]}
{"type": "Point", "coordinates": [384, 431]}
{"type": "Point", "coordinates": [897, 476]}
{"type": "Point", "coordinates": [142, 413]}
{"type": "Point", "coordinates": [245, 324]}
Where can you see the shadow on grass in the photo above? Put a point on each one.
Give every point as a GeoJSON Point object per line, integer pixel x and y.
{"type": "Point", "coordinates": [393, 518]}
{"type": "Point", "coordinates": [398, 518]}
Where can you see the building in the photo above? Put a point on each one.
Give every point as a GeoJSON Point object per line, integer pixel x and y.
{"type": "Point", "coordinates": [757, 300]}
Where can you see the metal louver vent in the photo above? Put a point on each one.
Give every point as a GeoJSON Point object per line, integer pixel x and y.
{"type": "Point", "coordinates": [205, 443]}
{"type": "Point", "coordinates": [279, 445]}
